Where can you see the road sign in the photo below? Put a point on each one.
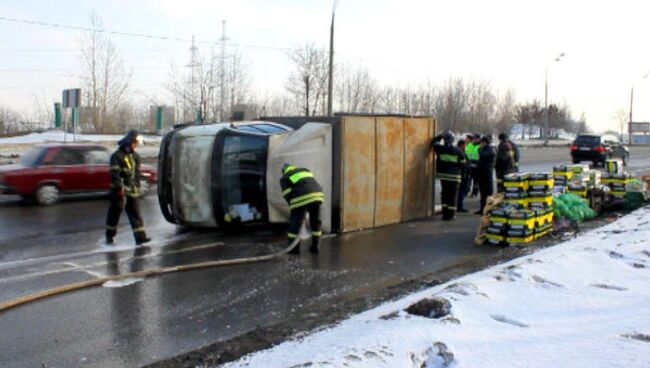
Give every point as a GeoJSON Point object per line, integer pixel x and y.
{"type": "Point", "coordinates": [71, 97]}
{"type": "Point", "coordinates": [640, 127]}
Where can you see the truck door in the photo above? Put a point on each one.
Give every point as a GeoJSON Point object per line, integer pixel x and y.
{"type": "Point", "coordinates": [239, 177]}
{"type": "Point", "coordinates": [309, 147]}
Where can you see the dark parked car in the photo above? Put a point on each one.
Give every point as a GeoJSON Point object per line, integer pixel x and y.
{"type": "Point", "coordinates": [47, 171]}
{"type": "Point", "coordinates": [597, 148]}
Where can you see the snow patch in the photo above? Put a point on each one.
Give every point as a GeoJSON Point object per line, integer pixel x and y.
{"type": "Point", "coordinates": [581, 303]}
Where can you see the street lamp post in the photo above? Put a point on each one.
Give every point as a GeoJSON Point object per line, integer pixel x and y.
{"type": "Point", "coordinates": [629, 125]}
{"type": "Point", "coordinates": [330, 85]}
{"type": "Point", "coordinates": [560, 56]}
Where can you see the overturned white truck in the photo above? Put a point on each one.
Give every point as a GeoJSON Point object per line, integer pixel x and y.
{"type": "Point", "coordinates": [375, 170]}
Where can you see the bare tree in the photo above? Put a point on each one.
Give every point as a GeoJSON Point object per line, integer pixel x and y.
{"type": "Point", "coordinates": [308, 81]}
{"type": "Point", "coordinates": [622, 118]}
{"type": "Point", "coordinates": [105, 77]}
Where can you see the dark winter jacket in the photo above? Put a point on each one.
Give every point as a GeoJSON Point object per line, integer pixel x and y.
{"type": "Point", "coordinates": [486, 161]}
{"type": "Point", "coordinates": [300, 188]}
{"type": "Point", "coordinates": [125, 171]}
{"type": "Point", "coordinates": [505, 160]}
{"type": "Point", "coordinates": [450, 161]}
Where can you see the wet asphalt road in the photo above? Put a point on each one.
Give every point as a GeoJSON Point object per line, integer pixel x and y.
{"type": "Point", "coordinates": [164, 316]}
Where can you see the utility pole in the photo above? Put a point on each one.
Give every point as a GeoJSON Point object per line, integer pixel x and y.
{"type": "Point", "coordinates": [193, 65]}
{"type": "Point", "coordinates": [222, 71]}
{"type": "Point", "coordinates": [546, 99]}
{"type": "Point", "coordinates": [330, 85]}
{"type": "Point", "coordinates": [629, 125]}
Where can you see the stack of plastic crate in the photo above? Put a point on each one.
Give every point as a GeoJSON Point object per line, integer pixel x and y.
{"type": "Point", "coordinates": [521, 226]}
{"type": "Point", "coordinates": [561, 178]}
{"type": "Point", "coordinates": [580, 180]}
{"type": "Point", "coordinates": [497, 229]}
{"type": "Point", "coordinates": [516, 189]}
{"type": "Point", "coordinates": [543, 221]}
{"type": "Point", "coordinates": [616, 183]}
{"type": "Point", "coordinates": [540, 190]}
{"type": "Point", "coordinates": [614, 166]}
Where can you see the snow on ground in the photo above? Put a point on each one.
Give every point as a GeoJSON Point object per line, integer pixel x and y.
{"type": "Point", "coordinates": [582, 303]}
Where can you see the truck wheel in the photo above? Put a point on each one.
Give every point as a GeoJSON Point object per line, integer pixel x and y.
{"type": "Point", "coordinates": [47, 195]}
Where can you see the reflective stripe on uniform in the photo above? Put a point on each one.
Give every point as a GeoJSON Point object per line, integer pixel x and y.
{"type": "Point", "coordinates": [306, 196]}
{"type": "Point", "coordinates": [299, 176]}
{"type": "Point", "coordinates": [448, 177]}
{"type": "Point", "coordinates": [116, 167]}
{"type": "Point", "coordinates": [292, 235]}
{"type": "Point", "coordinates": [108, 227]}
{"type": "Point", "coordinates": [316, 233]}
{"type": "Point", "coordinates": [138, 230]}
{"type": "Point", "coordinates": [288, 168]}
{"type": "Point", "coordinates": [448, 158]}
{"type": "Point", "coordinates": [306, 202]}
{"type": "Point", "coordinates": [286, 191]}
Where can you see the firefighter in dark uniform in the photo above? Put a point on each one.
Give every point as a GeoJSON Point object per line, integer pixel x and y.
{"type": "Point", "coordinates": [125, 189]}
{"type": "Point", "coordinates": [304, 195]}
{"type": "Point", "coordinates": [450, 163]}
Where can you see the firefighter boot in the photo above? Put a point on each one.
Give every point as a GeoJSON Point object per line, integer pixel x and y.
{"type": "Point", "coordinates": [315, 244]}
{"type": "Point", "coordinates": [296, 249]}
{"type": "Point", "coordinates": [141, 238]}
{"type": "Point", "coordinates": [110, 234]}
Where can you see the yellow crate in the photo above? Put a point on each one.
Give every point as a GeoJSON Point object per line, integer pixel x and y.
{"type": "Point", "coordinates": [547, 200]}
{"type": "Point", "coordinates": [548, 183]}
{"type": "Point", "coordinates": [527, 223]}
{"type": "Point", "coordinates": [516, 240]}
{"type": "Point", "coordinates": [495, 237]}
{"type": "Point", "coordinates": [614, 181]}
{"type": "Point", "coordinates": [566, 174]}
{"type": "Point", "coordinates": [516, 184]}
{"type": "Point", "coordinates": [520, 201]}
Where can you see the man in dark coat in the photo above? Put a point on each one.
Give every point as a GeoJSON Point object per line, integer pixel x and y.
{"type": "Point", "coordinates": [304, 195]}
{"type": "Point", "coordinates": [506, 162]}
{"type": "Point", "coordinates": [465, 181]}
{"type": "Point", "coordinates": [125, 189]}
{"type": "Point", "coordinates": [485, 171]}
{"type": "Point", "coordinates": [450, 164]}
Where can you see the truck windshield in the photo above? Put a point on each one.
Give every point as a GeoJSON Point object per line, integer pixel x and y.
{"type": "Point", "coordinates": [243, 170]}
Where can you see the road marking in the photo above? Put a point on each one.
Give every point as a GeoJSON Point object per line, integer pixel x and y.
{"type": "Point", "coordinates": [84, 267]}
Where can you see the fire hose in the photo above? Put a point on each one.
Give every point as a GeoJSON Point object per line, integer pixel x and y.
{"type": "Point", "coordinates": [142, 274]}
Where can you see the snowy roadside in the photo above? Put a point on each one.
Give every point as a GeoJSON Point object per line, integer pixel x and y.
{"type": "Point", "coordinates": [581, 303]}
{"type": "Point", "coordinates": [12, 147]}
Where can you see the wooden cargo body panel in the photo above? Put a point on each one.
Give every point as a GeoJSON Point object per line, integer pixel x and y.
{"type": "Point", "coordinates": [358, 166]}
{"type": "Point", "coordinates": [386, 170]}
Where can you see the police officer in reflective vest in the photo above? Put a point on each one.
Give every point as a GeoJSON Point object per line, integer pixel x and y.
{"type": "Point", "coordinates": [304, 195]}
{"type": "Point", "coordinates": [125, 189]}
{"type": "Point", "coordinates": [450, 162]}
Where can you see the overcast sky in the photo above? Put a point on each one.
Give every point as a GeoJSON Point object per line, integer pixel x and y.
{"type": "Point", "coordinates": [402, 42]}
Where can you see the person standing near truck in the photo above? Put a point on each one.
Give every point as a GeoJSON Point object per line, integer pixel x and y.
{"type": "Point", "coordinates": [450, 163]}
{"type": "Point", "coordinates": [125, 189]}
{"type": "Point", "coordinates": [471, 151]}
{"type": "Point", "coordinates": [304, 195]}
{"type": "Point", "coordinates": [506, 161]}
{"type": "Point", "coordinates": [485, 171]}
{"type": "Point", "coordinates": [465, 181]}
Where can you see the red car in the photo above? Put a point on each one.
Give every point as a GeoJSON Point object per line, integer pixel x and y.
{"type": "Point", "coordinates": [47, 171]}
